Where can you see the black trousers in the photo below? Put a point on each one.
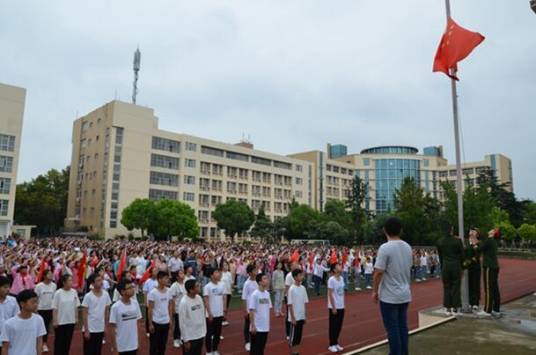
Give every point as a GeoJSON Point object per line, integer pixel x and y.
{"type": "Point", "coordinates": [62, 341]}
{"type": "Point", "coordinates": [246, 329]}
{"type": "Point", "coordinates": [132, 352]}
{"type": "Point", "coordinates": [474, 274]}
{"type": "Point", "coordinates": [196, 346]}
{"type": "Point", "coordinates": [287, 323]}
{"type": "Point", "coordinates": [158, 339]}
{"type": "Point", "coordinates": [335, 326]}
{"type": "Point", "coordinates": [176, 327]}
{"type": "Point", "coordinates": [258, 343]}
{"type": "Point", "coordinates": [47, 318]}
{"type": "Point", "coordinates": [491, 289]}
{"type": "Point", "coordinates": [452, 282]}
{"type": "Point", "coordinates": [93, 346]}
{"type": "Point", "coordinates": [212, 340]}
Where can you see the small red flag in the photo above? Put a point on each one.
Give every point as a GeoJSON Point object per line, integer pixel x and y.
{"type": "Point", "coordinates": [42, 269]}
{"type": "Point", "coordinates": [456, 44]}
{"type": "Point", "coordinates": [295, 256]}
{"type": "Point", "coordinates": [147, 274]}
{"type": "Point", "coordinates": [122, 264]}
{"type": "Point", "coordinates": [82, 270]}
{"type": "Point", "coordinates": [333, 259]}
{"type": "Point", "coordinates": [344, 257]}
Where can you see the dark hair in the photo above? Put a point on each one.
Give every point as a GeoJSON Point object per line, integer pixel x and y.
{"type": "Point", "coordinates": [250, 268]}
{"type": "Point", "coordinates": [190, 284]}
{"type": "Point", "coordinates": [91, 279]}
{"type": "Point", "coordinates": [296, 272]}
{"type": "Point", "coordinates": [393, 226]}
{"type": "Point", "coordinates": [161, 275]}
{"type": "Point", "coordinates": [25, 295]}
{"type": "Point", "coordinates": [4, 281]}
{"type": "Point", "coordinates": [121, 286]}
{"type": "Point", "coordinates": [64, 278]}
{"type": "Point", "coordinates": [211, 271]}
{"type": "Point", "coordinates": [259, 277]}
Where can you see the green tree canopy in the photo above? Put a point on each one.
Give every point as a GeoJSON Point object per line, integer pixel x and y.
{"type": "Point", "coordinates": [302, 222]}
{"type": "Point", "coordinates": [355, 201]}
{"type": "Point", "coordinates": [173, 218]}
{"type": "Point", "coordinates": [263, 227]}
{"type": "Point", "coordinates": [527, 232]}
{"type": "Point", "coordinates": [234, 217]}
{"type": "Point", "coordinates": [140, 214]}
{"type": "Point", "coordinates": [43, 201]}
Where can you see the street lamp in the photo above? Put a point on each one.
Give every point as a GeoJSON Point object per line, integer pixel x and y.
{"type": "Point", "coordinates": [533, 5]}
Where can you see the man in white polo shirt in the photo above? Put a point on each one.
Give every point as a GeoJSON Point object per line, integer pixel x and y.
{"type": "Point", "coordinates": [214, 296]}
{"type": "Point", "coordinates": [95, 309]}
{"type": "Point", "coordinates": [160, 304]}
{"type": "Point", "coordinates": [124, 316]}
{"type": "Point", "coordinates": [259, 305]}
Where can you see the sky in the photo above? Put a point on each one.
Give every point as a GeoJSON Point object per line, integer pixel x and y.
{"type": "Point", "coordinates": [291, 75]}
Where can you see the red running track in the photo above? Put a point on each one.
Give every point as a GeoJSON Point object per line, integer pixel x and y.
{"type": "Point", "coordinates": [362, 323]}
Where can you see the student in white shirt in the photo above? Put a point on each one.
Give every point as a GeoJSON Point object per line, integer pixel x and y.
{"type": "Point", "coordinates": [336, 307]}
{"type": "Point", "coordinates": [177, 292]}
{"type": "Point", "coordinates": [148, 287]}
{"type": "Point", "coordinates": [297, 299]}
{"type": "Point", "coordinates": [95, 310]}
{"type": "Point", "coordinates": [259, 305]}
{"type": "Point", "coordinates": [369, 269]}
{"type": "Point", "coordinates": [65, 315]}
{"type": "Point", "coordinates": [124, 316]}
{"type": "Point", "coordinates": [175, 264]}
{"type": "Point", "coordinates": [214, 296]}
{"type": "Point", "coordinates": [22, 334]}
{"type": "Point", "coordinates": [227, 279]}
{"type": "Point", "coordinates": [8, 304]}
{"type": "Point", "coordinates": [249, 286]}
{"type": "Point", "coordinates": [289, 281]}
{"type": "Point", "coordinates": [45, 292]}
{"type": "Point", "coordinates": [192, 319]}
{"type": "Point", "coordinates": [160, 309]}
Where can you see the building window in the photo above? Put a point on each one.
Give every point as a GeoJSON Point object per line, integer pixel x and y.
{"type": "Point", "coordinates": [189, 163]}
{"type": "Point", "coordinates": [426, 162]}
{"type": "Point", "coordinates": [236, 156]}
{"type": "Point", "coordinates": [118, 135]}
{"type": "Point", "coordinates": [6, 164]}
{"type": "Point", "coordinates": [282, 165]}
{"type": "Point", "coordinates": [163, 161]}
{"type": "Point", "coordinates": [189, 180]}
{"type": "Point", "coordinates": [155, 194]}
{"type": "Point", "coordinates": [158, 178]}
{"type": "Point", "coordinates": [211, 151]}
{"type": "Point", "coordinates": [166, 144]}
{"type": "Point", "coordinates": [299, 167]}
{"type": "Point", "coordinates": [4, 207]}
{"type": "Point", "coordinates": [299, 181]}
{"type": "Point", "coordinates": [7, 143]}
{"type": "Point", "coordinates": [113, 223]}
{"type": "Point", "coordinates": [188, 196]}
{"type": "Point", "coordinates": [5, 185]}
{"type": "Point", "coordinates": [366, 161]}
{"type": "Point", "coordinates": [191, 146]}
{"type": "Point", "coordinates": [262, 161]}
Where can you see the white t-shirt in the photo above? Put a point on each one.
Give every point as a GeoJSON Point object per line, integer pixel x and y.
{"type": "Point", "coordinates": [297, 297]}
{"type": "Point", "coordinates": [46, 294]}
{"type": "Point", "coordinates": [96, 312]}
{"type": "Point", "coordinates": [215, 293]}
{"type": "Point", "coordinates": [149, 285]}
{"type": "Point", "coordinates": [141, 264]}
{"type": "Point", "coordinates": [177, 291]}
{"type": "Point", "coordinates": [67, 303]}
{"type": "Point", "coordinates": [249, 287]}
{"type": "Point", "coordinates": [192, 319]}
{"type": "Point", "coordinates": [227, 279]}
{"type": "Point", "coordinates": [125, 317]}
{"type": "Point", "coordinates": [161, 301]}
{"type": "Point", "coordinates": [22, 334]}
{"type": "Point", "coordinates": [337, 287]}
{"type": "Point", "coordinates": [289, 280]}
{"type": "Point", "coordinates": [260, 303]}
{"type": "Point", "coordinates": [8, 309]}
{"type": "Point", "coordinates": [175, 264]}
{"type": "Point", "coordinates": [369, 267]}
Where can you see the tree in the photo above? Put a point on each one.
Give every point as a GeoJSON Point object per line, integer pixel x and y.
{"type": "Point", "coordinates": [529, 212]}
{"type": "Point", "coordinates": [302, 221]}
{"type": "Point", "coordinates": [508, 232]}
{"type": "Point", "coordinates": [263, 227]}
{"type": "Point", "coordinates": [43, 201]}
{"type": "Point", "coordinates": [334, 232]}
{"type": "Point", "coordinates": [173, 218]}
{"type": "Point", "coordinates": [527, 232]}
{"type": "Point", "coordinates": [234, 217]}
{"type": "Point", "coordinates": [409, 204]}
{"type": "Point", "coordinates": [140, 214]}
{"type": "Point", "coordinates": [359, 215]}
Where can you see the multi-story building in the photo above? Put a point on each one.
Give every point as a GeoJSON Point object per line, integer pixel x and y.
{"type": "Point", "coordinates": [384, 168]}
{"type": "Point", "coordinates": [12, 101]}
{"type": "Point", "coordinates": [119, 154]}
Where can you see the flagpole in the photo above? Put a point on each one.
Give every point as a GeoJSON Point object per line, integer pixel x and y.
{"type": "Point", "coordinates": [459, 180]}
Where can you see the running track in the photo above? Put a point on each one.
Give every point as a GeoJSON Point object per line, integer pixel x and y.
{"type": "Point", "coordinates": [362, 323]}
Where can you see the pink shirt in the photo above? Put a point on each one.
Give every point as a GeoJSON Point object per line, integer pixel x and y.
{"type": "Point", "coordinates": [21, 283]}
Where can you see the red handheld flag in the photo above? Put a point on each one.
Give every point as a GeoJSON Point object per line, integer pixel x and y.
{"type": "Point", "coordinates": [333, 259]}
{"type": "Point", "coordinates": [456, 44]}
{"type": "Point", "coordinates": [295, 256]}
{"type": "Point", "coordinates": [82, 270]}
{"type": "Point", "coordinates": [147, 274]}
{"type": "Point", "coordinates": [122, 264]}
{"type": "Point", "coordinates": [41, 273]}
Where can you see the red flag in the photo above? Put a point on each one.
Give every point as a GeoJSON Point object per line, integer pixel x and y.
{"type": "Point", "coordinates": [344, 257]}
{"type": "Point", "coordinates": [456, 44]}
{"type": "Point", "coordinates": [82, 270]}
{"type": "Point", "coordinates": [147, 274]}
{"type": "Point", "coordinates": [41, 273]}
{"type": "Point", "coordinates": [295, 256]}
{"type": "Point", "coordinates": [333, 259]}
{"type": "Point", "coordinates": [122, 264]}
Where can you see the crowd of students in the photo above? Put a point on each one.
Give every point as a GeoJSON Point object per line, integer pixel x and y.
{"type": "Point", "coordinates": [186, 289]}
